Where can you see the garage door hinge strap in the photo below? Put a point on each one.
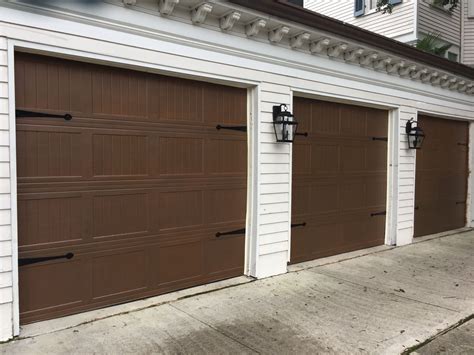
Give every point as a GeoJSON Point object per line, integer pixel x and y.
{"type": "Point", "coordinates": [298, 225]}
{"type": "Point", "coordinates": [384, 139]}
{"type": "Point", "coordinates": [465, 144]}
{"type": "Point", "coordinates": [460, 202]}
{"type": "Point", "coordinates": [232, 128]}
{"type": "Point", "coordinates": [23, 113]}
{"type": "Point", "coordinates": [305, 134]}
{"type": "Point", "coordinates": [378, 214]}
{"type": "Point", "coordinates": [29, 261]}
{"type": "Point", "coordinates": [236, 232]}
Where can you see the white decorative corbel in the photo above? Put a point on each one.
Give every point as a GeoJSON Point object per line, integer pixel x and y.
{"type": "Point", "coordinates": [448, 82]}
{"type": "Point", "coordinates": [353, 55]}
{"type": "Point", "coordinates": [276, 35]}
{"type": "Point", "coordinates": [167, 6]}
{"type": "Point", "coordinates": [369, 59]}
{"type": "Point", "coordinates": [426, 78]}
{"type": "Point", "coordinates": [337, 50]}
{"type": "Point", "coordinates": [382, 64]}
{"type": "Point", "coordinates": [200, 13]}
{"type": "Point", "coordinates": [253, 28]}
{"type": "Point", "coordinates": [457, 85]}
{"type": "Point", "coordinates": [320, 45]}
{"type": "Point", "coordinates": [439, 79]}
{"type": "Point", "coordinates": [129, 2]}
{"type": "Point", "coordinates": [418, 73]}
{"type": "Point", "coordinates": [463, 87]}
{"type": "Point", "coordinates": [227, 22]}
{"type": "Point", "coordinates": [469, 88]}
{"type": "Point", "coordinates": [407, 70]}
{"type": "Point", "coordinates": [395, 67]}
{"type": "Point", "coordinates": [299, 40]}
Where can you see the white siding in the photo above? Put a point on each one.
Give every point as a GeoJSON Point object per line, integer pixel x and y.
{"type": "Point", "coordinates": [468, 35]}
{"type": "Point", "coordinates": [6, 275]}
{"type": "Point", "coordinates": [432, 19]}
{"type": "Point", "coordinates": [406, 182]}
{"type": "Point", "coordinates": [400, 22]}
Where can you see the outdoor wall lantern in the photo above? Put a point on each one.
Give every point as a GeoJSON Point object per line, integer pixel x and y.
{"type": "Point", "coordinates": [284, 124]}
{"type": "Point", "coordinates": [415, 135]}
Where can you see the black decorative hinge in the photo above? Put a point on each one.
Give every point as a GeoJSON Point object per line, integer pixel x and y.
{"type": "Point", "coordinates": [305, 134]}
{"type": "Point", "coordinates": [384, 139]}
{"type": "Point", "coordinates": [236, 232]}
{"type": "Point", "coordinates": [29, 261]}
{"type": "Point", "coordinates": [460, 202]}
{"type": "Point", "coordinates": [464, 144]}
{"type": "Point", "coordinates": [383, 213]}
{"type": "Point", "coordinates": [23, 113]}
{"type": "Point", "coordinates": [417, 208]}
{"type": "Point", "coordinates": [298, 225]}
{"type": "Point", "coordinates": [232, 128]}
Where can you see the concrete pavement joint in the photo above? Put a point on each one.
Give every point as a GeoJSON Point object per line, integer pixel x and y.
{"type": "Point", "coordinates": [386, 292]}
{"type": "Point", "coordinates": [215, 329]}
{"type": "Point", "coordinates": [447, 330]}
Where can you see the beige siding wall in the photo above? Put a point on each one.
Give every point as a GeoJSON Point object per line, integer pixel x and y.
{"type": "Point", "coordinates": [468, 35]}
{"type": "Point", "coordinates": [400, 22]}
{"type": "Point", "coordinates": [432, 19]}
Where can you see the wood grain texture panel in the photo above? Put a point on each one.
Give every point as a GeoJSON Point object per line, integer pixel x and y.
{"type": "Point", "coordinates": [136, 185]}
{"type": "Point", "coordinates": [339, 179]}
{"type": "Point", "coordinates": [441, 176]}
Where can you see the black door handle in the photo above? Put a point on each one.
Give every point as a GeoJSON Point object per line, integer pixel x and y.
{"type": "Point", "coordinates": [29, 261]}
{"type": "Point", "coordinates": [235, 232]}
{"type": "Point", "coordinates": [298, 225]}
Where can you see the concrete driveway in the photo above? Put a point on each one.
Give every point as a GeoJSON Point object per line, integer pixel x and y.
{"type": "Point", "coordinates": [383, 302]}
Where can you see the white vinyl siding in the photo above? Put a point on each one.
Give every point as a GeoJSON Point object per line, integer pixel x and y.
{"type": "Point", "coordinates": [400, 22]}
{"type": "Point", "coordinates": [468, 36]}
{"type": "Point", "coordinates": [432, 19]}
{"type": "Point", "coordinates": [6, 274]}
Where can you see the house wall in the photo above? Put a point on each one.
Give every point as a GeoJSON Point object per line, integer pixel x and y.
{"type": "Point", "coordinates": [6, 244]}
{"type": "Point", "coordinates": [433, 19]}
{"type": "Point", "coordinates": [400, 23]}
{"type": "Point", "coordinates": [468, 32]}
{"type": "Point", "coordinates": [109, 34]}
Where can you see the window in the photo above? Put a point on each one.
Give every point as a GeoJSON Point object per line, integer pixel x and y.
{"type": "Point", "coordinates": [452, 56]}
{"type": "Point", "coordinates": [362, 7]}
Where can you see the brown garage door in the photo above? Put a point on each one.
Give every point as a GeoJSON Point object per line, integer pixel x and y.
{"type": "Point", "coordinates": [339, 179]}
{"type": "Point", "coordinates": [441, 176]}
{"type": "Point", "coordinates": [136, 185]}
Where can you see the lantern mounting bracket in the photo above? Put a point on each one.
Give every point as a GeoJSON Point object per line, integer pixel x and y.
{"type": "Point", "coordinates": [232, 128]}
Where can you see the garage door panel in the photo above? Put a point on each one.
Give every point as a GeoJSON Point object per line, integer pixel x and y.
{"type": "Point", "coordinates": [50, 219]}
{"type": "Point", "coordinates": [120, 155]}
{"type": "Point", "coordinates": [441, 176]}
{"type": "Point", "coordinates": [136, 185]}
{"type": "Point", "coordinates": [120, 213]}
{"type": "Point", "coordinates": [230, 156]}
{"type": "Point", "coordinates": [302, 159]}
{"type": "Point", "coordinates": [118, 272]}
{"type": "Point", "coordinates": [326, 158]}
{"type": "Point", "coordinates": [63, 161]}
{"type": "Point", "coordinates": [53, 286]}
{"type": "Point", "coordinates": [176, 262]}
{"type": "Point", "coordinates": [224, 255]}
{"type": "Point", "coordinates": [324, 198]}
{"type": "Point", "coordinates": [347, 184]}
